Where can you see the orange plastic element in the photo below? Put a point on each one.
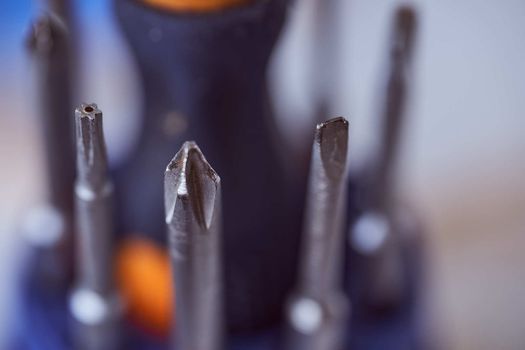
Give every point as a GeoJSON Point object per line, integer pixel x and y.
{"type": "Point", "coordinates": [194, 5]}
{"type": "Point", "coordinates": [144, 279]}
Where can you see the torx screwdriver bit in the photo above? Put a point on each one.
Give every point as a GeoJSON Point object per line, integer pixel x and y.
{"type": "Point", "coordinates": [93, 194]}
{"type": "Point", "coordinates": [94, 303]}
{"type": "Point", "coordinates": [193, 217]}
{"type": "Point", "coordinates": [318, 310]}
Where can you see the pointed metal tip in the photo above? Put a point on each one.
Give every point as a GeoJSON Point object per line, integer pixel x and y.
{"type": "Point", "coordinates": [190, 177]}
{"type": "Point", "coordinates": [45, 33]}
{"type": "Point", "coordinates": [336, 122]}
{"type": "Point", "coordinates": [406, 16]}
{"type": "Point", "coordinates": [89, 125]}
{"type": "Point", "coordinates": [91, 147]}
{"type": "Point", "coordinates": [332, 139]}
{"type": "Point", "coordinates": [88, 110]}
{"type": "Point", "coordinates": [404, 31]}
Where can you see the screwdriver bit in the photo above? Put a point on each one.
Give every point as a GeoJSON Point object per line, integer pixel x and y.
{"type": "Point", "coordinates": [94, 303]}
{"type": "Point", "coordinates": [49, 45]}
{"type": "Point", "coordinates": [376, 235]}
{"type": "Point", "coordinates": [318, 309]}
{"type": "Point", "coordinates": [401, 48]}
{"type": "Point", "coordinates": [209, 93]}
{"type": "Point", "coordinates": [193, 218]}
{"type": "Point", "coordinates": [62, 8]}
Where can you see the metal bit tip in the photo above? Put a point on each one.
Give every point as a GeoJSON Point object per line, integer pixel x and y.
{"type": "Point", "coordinates": [405, 28]}
{"type": "Point", "coordinates": [331, 137]}
{"type": "Point", "coordinates": [406, 18]}
{"type": "Point", "coordinates": [88, 110]}
{"type": "Point", "coordinates": [91, 148]}
{"type": "Point", "coordinates": [190, 177]}
{"type": "Point", "coordinates": [44, 32]}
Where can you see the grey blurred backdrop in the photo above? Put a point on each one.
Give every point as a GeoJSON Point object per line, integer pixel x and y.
{"type": "Point", "coordinates": [463, 164]}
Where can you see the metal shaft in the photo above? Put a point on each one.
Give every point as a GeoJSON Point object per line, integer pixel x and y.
{"type": "Point", "coordinates": [193, 216]}
{"type": "Point", "coordinates": [401, 48]}
{"type": "Point", "coordinates": [94, 304]}
{"type": "Point", "coordinates": [318, 309]}
{"type": "Point", "coordinates": [376, 234]}
{"type": "Point", "coordinates": [62, 8]}
{"type": "Point", "coordinates": [48, 43]}
{"type": "Point", "coordinates": [93, 194]}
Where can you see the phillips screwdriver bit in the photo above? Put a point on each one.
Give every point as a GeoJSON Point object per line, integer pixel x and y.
{"type": "Point", "coordinates": [376, 234]}
{"type": "Point", "coordinates": [211, 94]}
{"type": "Point", "coordinates": [318, 310]}
{"type": "Point", "coordinates": [94, 303]}
{"type": "Point", "coordinates": [193, 217]}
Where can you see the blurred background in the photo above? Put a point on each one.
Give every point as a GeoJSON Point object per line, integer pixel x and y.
{"type": "Point", "coordinates": [463, 165]}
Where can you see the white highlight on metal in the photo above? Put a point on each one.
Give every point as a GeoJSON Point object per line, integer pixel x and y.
{"type": "Point", "coordinates": [87, 194]}
{"type": "Point", "coordinates": [306, 315]}
{"type": "Point", "coordinates": [43, 226]}
{"type": "Point", "coordinates": [369, 233]}
{"type": "Point", "coordinates": [88, 307]}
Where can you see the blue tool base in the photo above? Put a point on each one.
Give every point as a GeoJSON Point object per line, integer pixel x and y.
{"type": "Point", "coordinates": [44, 323]}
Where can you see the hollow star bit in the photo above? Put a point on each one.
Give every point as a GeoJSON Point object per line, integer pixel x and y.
{"type": "Point", "coordinates": [94, 304]}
